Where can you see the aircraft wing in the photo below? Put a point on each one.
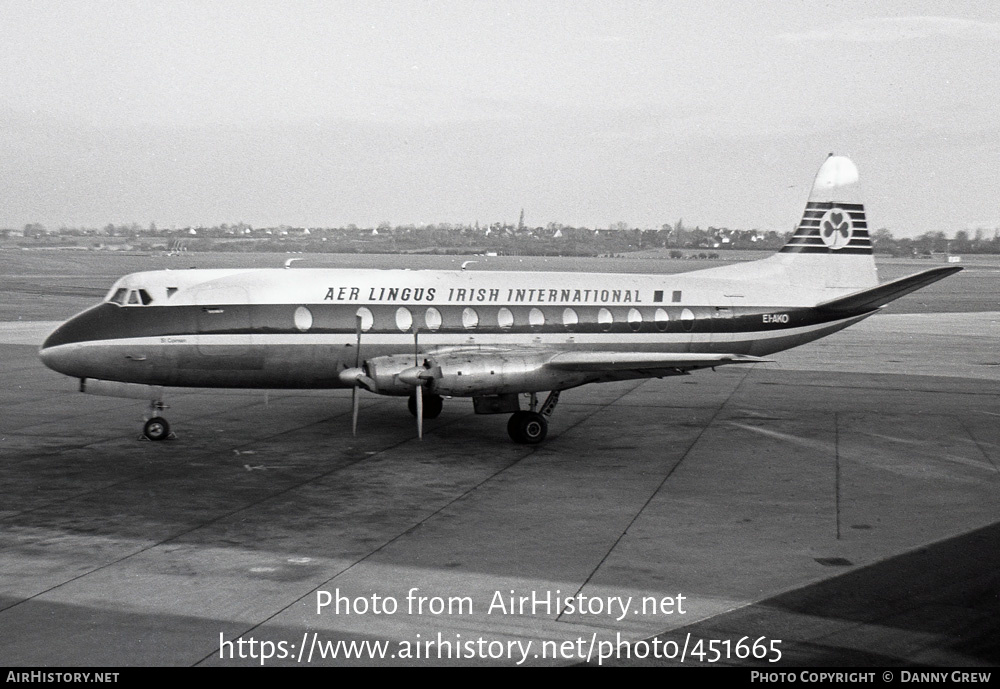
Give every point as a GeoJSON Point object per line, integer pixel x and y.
{"type": "Point", "coordinates": [638, 361]}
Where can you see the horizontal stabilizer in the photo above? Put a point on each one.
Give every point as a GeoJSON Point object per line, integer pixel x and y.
{"type": "Point", "coordinates": [870, 299]}
{"type": "Point", "coordinates": [626, 361]}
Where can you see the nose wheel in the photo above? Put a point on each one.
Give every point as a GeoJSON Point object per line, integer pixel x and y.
{"type": "Point", "coordinates": [156, 428]}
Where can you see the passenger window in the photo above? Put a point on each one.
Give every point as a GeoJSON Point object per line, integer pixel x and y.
{"type": "Point", "coordinates": [119, 297]}
{"type": "Point", "coordinates": [661, 319]}
{"type": "Point", "coordinates": [687, 319]}
{"type": "Point", "coordinates": [605, 319]}
{"type": "Point", "coordinates": [536, 319]}
{"type": "Point", "coordinates": [570, 319]}
{"type": "Point", "coordinates": [432, 318]}
{"type": "Point", "coordinates": [367, 320]}
{"type": "Point", "coordinates": [303, 319]}
{"type": "Point", "coordinates": [634, 319]}
{"type": "Point", "coordinates": [404, 319]}
{"type": "Point", "coordinates": [505, 319]}
{"type": "Point", "coordinates": [470, 319]}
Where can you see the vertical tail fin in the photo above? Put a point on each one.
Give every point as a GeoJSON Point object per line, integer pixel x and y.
{"type": "Point", "coordinates": [831, 246]}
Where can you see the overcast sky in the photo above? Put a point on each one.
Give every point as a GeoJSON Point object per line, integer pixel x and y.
{"type": "Point", "coordinates": [584, 113]}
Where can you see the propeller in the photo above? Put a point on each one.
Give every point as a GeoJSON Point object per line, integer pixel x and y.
{"type": "Point", "coordinates": [357, 378]}
{"type": "Point", "coordinates": [420, 385]}
{"type": "Point", "coordinates": [355, 399]}
{"type": "Point", "coordinates": [418, 376]}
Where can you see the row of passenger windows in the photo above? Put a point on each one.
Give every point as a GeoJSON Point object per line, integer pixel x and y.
{"type": "Point", "coordinates": [504, 319]}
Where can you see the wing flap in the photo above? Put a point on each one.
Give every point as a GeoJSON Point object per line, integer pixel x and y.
{"type": "Point", "coordinates": [630, 361]}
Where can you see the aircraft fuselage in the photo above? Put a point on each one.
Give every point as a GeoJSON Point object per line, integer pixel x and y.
{"type": "Point", "coordinates": [298, 328]}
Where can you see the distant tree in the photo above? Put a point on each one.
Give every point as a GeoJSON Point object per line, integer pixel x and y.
{"type": "Point", "coordinates": [883, 241]}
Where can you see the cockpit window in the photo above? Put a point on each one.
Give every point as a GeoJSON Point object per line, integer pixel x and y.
{"type": "Point", "coordinates": [131, 297]}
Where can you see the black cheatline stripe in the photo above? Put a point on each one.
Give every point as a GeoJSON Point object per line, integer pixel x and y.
{"type": "Point", "coordinates": [789, 249]}
{"type": "Point", "coordinates": [826, 205]}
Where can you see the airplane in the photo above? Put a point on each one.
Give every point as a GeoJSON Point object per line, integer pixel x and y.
{"type": "Point", "coordinates": [494, 336]}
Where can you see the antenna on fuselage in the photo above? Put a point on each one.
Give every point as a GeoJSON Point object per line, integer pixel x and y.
{"type": "Point", "coordinates": [288, 263]}
{"type": "Point", "coordinates": [467, 263]}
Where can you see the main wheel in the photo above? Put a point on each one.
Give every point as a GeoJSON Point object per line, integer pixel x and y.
{"type": "Point", "coordinates": [433, 404]}
{"type": "Point", "coordinates": [156, 428]}
{"type": "Point", "coordinates": [527, 427]}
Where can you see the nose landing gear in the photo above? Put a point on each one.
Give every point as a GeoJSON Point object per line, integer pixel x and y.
{"type": "Point", "coordinates": [156, 427]}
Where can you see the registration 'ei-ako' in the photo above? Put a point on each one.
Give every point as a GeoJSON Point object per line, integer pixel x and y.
{"type": "Point", "coordinates": [494, 336]}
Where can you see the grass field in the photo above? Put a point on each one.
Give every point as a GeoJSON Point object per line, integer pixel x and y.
{"type": "Point", "coordinates": [54, 285]}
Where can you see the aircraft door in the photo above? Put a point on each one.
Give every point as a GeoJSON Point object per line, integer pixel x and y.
{"type": "Point", "coordinates": [224, 324]}
{"type": "Point", "coordinates": [722, 336]}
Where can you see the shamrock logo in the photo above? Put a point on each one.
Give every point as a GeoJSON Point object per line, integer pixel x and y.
{"type": "Point", "coordinates": [835, 228]}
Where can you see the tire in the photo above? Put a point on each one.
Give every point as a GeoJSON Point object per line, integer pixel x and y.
{"type": "Point", "coordinates": [156, 428]}
{"type": "Point", "coordinates": [527, 427]}
{"type": "Point", "coordinates": [433, 404]}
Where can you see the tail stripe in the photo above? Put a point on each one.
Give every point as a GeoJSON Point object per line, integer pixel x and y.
{"type": "Point", "coordinates": [789, 249]}
{"type": "Point", "coordinates": [827, 205]}
{"type": "Point", "coordinates": [814, 232]}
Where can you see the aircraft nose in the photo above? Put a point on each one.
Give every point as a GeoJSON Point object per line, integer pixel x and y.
{"type": "Point", "coordinates": [58, 357]}
{"type": "Point", "coordinates": [63, 350]}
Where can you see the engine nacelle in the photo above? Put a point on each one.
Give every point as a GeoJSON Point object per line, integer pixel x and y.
{"type": "Point", "coordinates": [385, 370]}
{"type": "Point", "coordinates": [470, 374]}
{"type": "Point", "coordinates": [474, 374]}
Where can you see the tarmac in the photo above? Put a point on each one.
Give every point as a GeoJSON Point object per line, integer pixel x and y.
{"type": "Point", "coordinates": [843, 501]}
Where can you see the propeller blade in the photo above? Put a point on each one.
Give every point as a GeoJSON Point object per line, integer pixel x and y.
{"type": "Point", "coordinates": [420, 411]}
{"type": "Point", "coordinates": [357, 351]}
{"type": "Point", "coordinates": [355, 398]}
{"type": "Point", "coordinates": [355, 406]}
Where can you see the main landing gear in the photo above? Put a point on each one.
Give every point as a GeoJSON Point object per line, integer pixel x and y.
{"type": "Point", "coordinates": [527, 427]}
{"type": "Point", "coordinates": [530, 427]}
